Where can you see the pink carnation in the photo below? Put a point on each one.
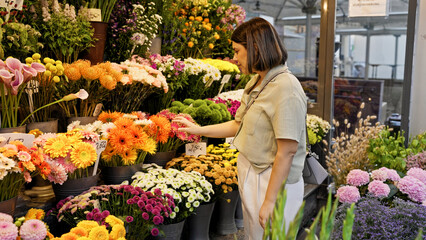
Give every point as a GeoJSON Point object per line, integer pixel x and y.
{"type": "Point", "coordinates": [418, 173]}
{"type": "Point", "coordinates": [379, 174]}
{"type": "Point", "coordinates": [348, 194]}
{"type": "Point", "coordinates": [378, 188]}
{"type": "Point", "coordinates": [8, 231]}
{"type": "Point", "coordinates": [357, 177]}
{"type": "Point", "coordinates": [33, 229]}
{"type": "Point", "coordinates": [57, 173]}
{"type": "Point", "coordinates": [391, 174]}
{"type": "Point", "coordinates": [413, 187]}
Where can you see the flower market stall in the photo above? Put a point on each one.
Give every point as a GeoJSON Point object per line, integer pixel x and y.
{"type": "Point", "coordinates": [104, 141]}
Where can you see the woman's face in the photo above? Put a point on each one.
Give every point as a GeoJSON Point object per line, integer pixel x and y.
{"type": "Point", "coordinates": [240, 56]}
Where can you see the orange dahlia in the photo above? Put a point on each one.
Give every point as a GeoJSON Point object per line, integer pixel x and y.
{"type": "Point", "coordinates": [108, 82]}
{"type": "Point", "coordinates": [72, 72]}
{"type": "Point", "coordinates": [90, 73]}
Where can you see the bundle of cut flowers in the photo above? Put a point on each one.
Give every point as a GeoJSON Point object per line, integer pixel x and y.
{"type": "Point", "coordinates": [70, 155]}
{"type": "Point", "coordinates": [189, 189]}
{"type": "Point", "coordinates": [384, 184]}
{"type": "Point", "coordinates": [317, 128]}
{"type": "Point", "coordinates": [39, 90]}
{"type": "Point", "coordinates": [138, 82]}
{"type": "Point", "coordinates": [174, 71]}
{"type": "Point", "coordinates": [28, 227]}
{"type": "Point", "coordinates": [220, 173]}
{"type": "Point", "coordinates": [128, 142]}
{"type": "Point", "coordinates": [110, 227]}
{"type": "Point", "coordinates": [228, 71]}
{"type": "Point", "coordinates": [14, 76]}
{"type": "Point", "coordinates": [98, 80]}
{"type": "Point", "coordinates": [200, 77]}
{"type": "Point", "coordinates": [140, 211]}
{"type": "Point", "coordinates": [162, 124]}
{"type": "Point", "coordinates": [17, 164]}
{"type": "Point", "coordinates": [204, 112]}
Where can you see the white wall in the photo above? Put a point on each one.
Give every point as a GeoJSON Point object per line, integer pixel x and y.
{"type": "Point", "coordinates": [418, 87]}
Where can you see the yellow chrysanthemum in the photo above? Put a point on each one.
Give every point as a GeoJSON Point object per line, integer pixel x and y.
{"type": "Point", "coordinates": [69, 236]}
{"type": "Point", "coordinates": [99, 233]}
{"type": "Point", "coordinates": [83, 238]}
{"type": "Point", "coordinates": [83, 155]}
{"type": "Point", "coordinates": [79, 231]}
{"type": "Point", "coordinates": [108, 153]}
{"type": "Point", "coordinates": [118, 231]}
{"type": "Point", "coordinates": [34, 213]}
{"type": "Point", "coordinates": [150, 146]}
{"type": "Point", "coordinates": [87, 224]}
{"type": "Point", "coordinates": [36, 132]}
{"type": "Point", "coordinates": [58, 146]}
{"type": "Point", "coordinates": [113, 220]}
{"type": "Point", "coordinates": [129, 157]}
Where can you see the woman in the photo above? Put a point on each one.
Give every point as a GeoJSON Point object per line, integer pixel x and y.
{"type": "Point", "coordinates": [269, 127]}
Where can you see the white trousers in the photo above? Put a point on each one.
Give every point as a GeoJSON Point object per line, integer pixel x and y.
{"type": "Point", "coordinates": [252, 188]}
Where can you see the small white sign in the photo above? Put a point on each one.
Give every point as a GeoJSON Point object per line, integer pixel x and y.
{"type": "Point", "coordinates": [26, 139]}
{"type": "Point", "coordinates": [195, 149]}
{"type": "Point", "coordinates": [230, 141]}
{"type": "Point", "coordinates": [95, 15]}
{"type": "Point", "coordinates": [225, 78]}
{"type": "Point", "coordinates": [12, 4]}
{"type": "Point", "coordinates": [100, 147]}
{"type": "Point", "coordinates": [368, 8]}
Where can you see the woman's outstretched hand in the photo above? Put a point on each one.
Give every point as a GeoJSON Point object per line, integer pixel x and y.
{"type": "Point", "coordinates": [190, 127]}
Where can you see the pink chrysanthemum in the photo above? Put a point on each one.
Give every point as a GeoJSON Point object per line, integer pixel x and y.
{"type": "Point", "coordinates": [357, 177]}
{"type": "Point", "coordinates": [378, 188]}
{"type": "Point", "coordinates": [413, 187]}
{"type": "Point", "coordinates": [348, 194]}
{"type": "Point", "coordinates": [4, 217]}
{"type": "Point", "coordinates": [391, 174]}
{"type": "Point", "coordinates": [8, 231]}
{"type": "Point", "coordinates": [57, 173]}
{"type": "Point", "coordinates": [33, 229]}
{"type": "Point", "coordinates": [379, 174]}
{"type": "Point", "coordinates": [418, 173]}
{"type": "Point", "coordinates": [41, 140]}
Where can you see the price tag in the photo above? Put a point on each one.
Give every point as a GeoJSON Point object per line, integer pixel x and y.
{"type": "Point", "coordinates": [98, 109]}
{"type": "Point", "coordinates": [26, 139]}
{"type": "Point", "coordinates": [225, 78]}
{"type": "Point", "coordinates": [100, 147]}
{"type": "Point", "coordinates": [95, 14]}
{"type": "Point", "coordinates": [12, 4]}
{"type": "Point", "coordinates": [195, 149]}
{"type": "Point", "coordinates": [230, 141]}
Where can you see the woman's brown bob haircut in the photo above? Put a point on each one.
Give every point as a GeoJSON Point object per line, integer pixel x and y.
{"type": "Point", "coordinates": [264, 47]}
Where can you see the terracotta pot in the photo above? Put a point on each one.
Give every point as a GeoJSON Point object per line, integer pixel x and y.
{"type": "Point", "coordinates": [46, 127]}
{"type": "Point", "coordinates": [20, 129]}
{"type": "Point", "coordinates": [96, 53]}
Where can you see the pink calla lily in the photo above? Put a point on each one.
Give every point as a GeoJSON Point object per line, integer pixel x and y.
{"type": "Point", "coordinates": [29, 73]}
{"type": "Point", "coordinates": [38, 67]}
{"type": "Point", "coordinates": [14, 64]}
{"type": "Point", "coordinates": [2, 64]}
{"type": "Point", "coordinates": [6, 76]}
{"type": "Point", "coordinates": [82, 94]}
{"type": "Point", "coordinates": [19, 79]}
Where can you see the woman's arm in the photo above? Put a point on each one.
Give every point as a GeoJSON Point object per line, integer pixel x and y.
{"type": "Point", "coordinates": [221, 130]}
{"type": "Point", "coordinates": [286, 149]}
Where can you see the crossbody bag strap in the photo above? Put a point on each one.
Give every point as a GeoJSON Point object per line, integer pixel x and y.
{"type": "Point", "coordinates": [257, 95]}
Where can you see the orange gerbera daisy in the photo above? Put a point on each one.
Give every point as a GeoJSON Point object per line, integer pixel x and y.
{"type": "Point", "coordinates": [123, 123]}
{"type": "Point", "coordinates": [108, 153]}
{"type": "Point", "coordinates": [83, 155]}
{"type": "Point", "coordinates": [44, 168]}
{"type": "Point", "coordinates": [159, 129]}
{"type": "Point", "coordinates": [37, 156]}
{"type": "Point", "coordinates": [129, 157]}
{"type": "Point", "coordinates": [109, 116]}
{"type": "Point", "coordinates": [120, 140]}
{"type": "Point", "coordinates": [138, 134]}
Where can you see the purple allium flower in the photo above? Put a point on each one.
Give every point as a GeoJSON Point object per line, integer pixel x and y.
{"type": "Point", "coordinates": [413, 187]}
{"type": "Point", "coordinates": [378, 188]}
{"type": "Point", "coordinates": [33, 229]}
{"type": "Point", "coordinates": [129, 219]}
{"type": "Point", "coordinates": [417, 173]}
{"type": "Point", "coordinates": [154, 232]}
{"type": "Point", "coordinates": [348, 194]}
{"type": "Point", "coordinates": [357, 177]}
{"type": "Point", "coordinates": [380, 175]}
{"type": "Point", "coordinates": [145, 216]}
{"type": "Point", "coordinates": [8, 231]}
